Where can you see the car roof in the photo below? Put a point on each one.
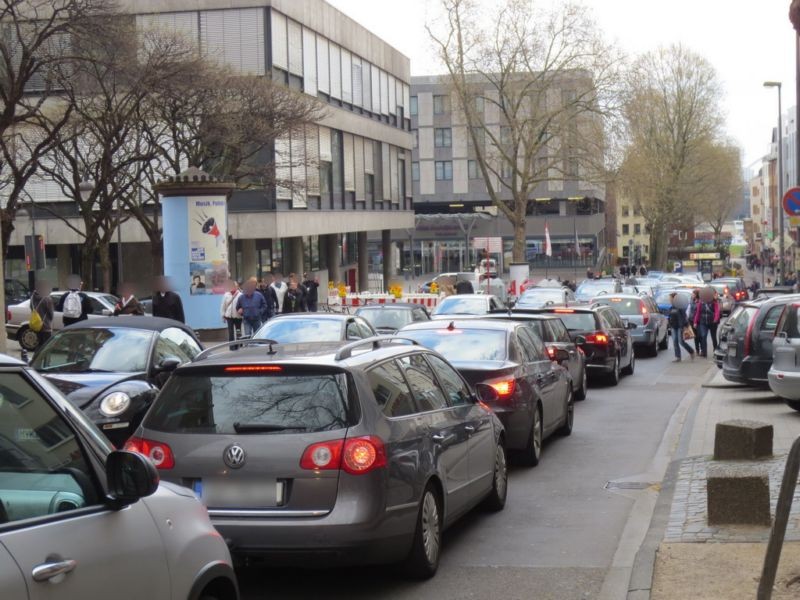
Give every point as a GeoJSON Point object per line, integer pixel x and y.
{"type": "Point", "coordinates": [469, 296]}
{"type": "Point", "coordinates": [312, 316]}
{"type": "Point", "coordinates": [504, 314]}
{"type": "Point", "coordinates": [10, 361]}
{"type": "Point", "coordinates": [619, 295]}
{"type": "Point", "coordinates": [781, 299]}
{"type": "Point", "coordinates": [478, 323]}
{"type": "Point", "coordinates": [132, 322]}
{"type": "Point", "coordinates": [391, 305]}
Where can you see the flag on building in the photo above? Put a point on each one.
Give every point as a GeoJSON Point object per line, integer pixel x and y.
{"type": "Point", "coordinates": [548, 248]}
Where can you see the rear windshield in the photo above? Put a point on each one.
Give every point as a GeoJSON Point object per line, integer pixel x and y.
{"type": "Point", "coordinates": [595, 287]}
{"type": "Point", "coordinates": [462, 344]}
{"type": "Point", "coordinates": [208, 403]}
{"type": "Point", "coordinates": [461, 306]}
{"type": "Point", "coordinates": [624, 306]}
{"type": "Point", "coordinates": [299, 331]}
{"type": "Point", "coordinates": [578, 321]}
{"type": "Point", "coordinates": [739, 320]}
{"type": "Point", "coordinates": [540, 296]}
{"type": "Point", "coordinates": [386, 318]}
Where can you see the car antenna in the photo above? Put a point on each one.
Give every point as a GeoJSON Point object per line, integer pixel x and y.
{"type": "Point", "coordinates": [271, 350]}
{"type": "Point", "coordinates": [452, 326]}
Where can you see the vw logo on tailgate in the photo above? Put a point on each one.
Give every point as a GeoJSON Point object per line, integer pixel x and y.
{"type": "Point", "coordinates": [234, 456]}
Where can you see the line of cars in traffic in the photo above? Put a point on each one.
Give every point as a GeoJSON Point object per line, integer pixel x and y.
{"type": "Point", "coordinates": [321, 436]}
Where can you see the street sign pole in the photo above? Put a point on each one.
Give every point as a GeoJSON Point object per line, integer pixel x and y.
{"type": "Point", "coordinates": [791, 206]}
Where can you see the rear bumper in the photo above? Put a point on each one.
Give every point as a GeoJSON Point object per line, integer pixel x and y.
{"type": "Point", "coordinates": [752, 371]}
{"type": "Point", "coordinates": [11, 331]}
{"type": "Point", "coordinates": [785, 384]}
{"type": "Point", "coordinates": [643, 337]}
{"type": "Point", "coordinates": [517, 424]}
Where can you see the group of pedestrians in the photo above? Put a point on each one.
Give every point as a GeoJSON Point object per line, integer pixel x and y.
{"type": "Point", "coordinates": [696, 322]}
{"type": "Point", "coordinates": [247, 307]}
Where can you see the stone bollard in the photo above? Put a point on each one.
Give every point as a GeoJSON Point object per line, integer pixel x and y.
{"type": "Point", "coordinates": [742, 440]}
{"type": "Point", "coordinates": [737, 494]}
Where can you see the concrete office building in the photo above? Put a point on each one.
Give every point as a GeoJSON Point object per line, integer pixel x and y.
{"type": "Point", "coordinates": [362, 146]}
{"type": "Point", "coordinates": [446, 179]}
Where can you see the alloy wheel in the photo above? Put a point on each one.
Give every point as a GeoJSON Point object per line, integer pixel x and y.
{"type": "Point", "coordinates": [501, 472]}
{"type": "Point", "coordinates": [537, 432]}
{"type": "Point", "coordinates": [431, 528]}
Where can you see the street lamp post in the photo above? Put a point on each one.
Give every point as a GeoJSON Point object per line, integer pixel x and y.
{"type": "Point", "coordinates": [782, 275]}
{"type": "Point", "coordinates": [85, 189]}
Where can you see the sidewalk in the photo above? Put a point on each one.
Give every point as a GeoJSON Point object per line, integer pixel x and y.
{"type": "Point", "coordinates": [695, 560]}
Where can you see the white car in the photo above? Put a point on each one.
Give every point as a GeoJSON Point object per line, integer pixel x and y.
{"type": "Point", "coordinates": [17, 316]}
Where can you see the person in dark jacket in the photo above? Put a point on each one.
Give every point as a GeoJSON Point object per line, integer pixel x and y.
{"type": "Point", "coordinates": [167, 303]}
{"type": "Point", "coordinates": [706, 317]}
{"type": "Point", "coordinates": [251, 306]}
{"type": "Point", "coordinates": [677, 323]}
{"type": "Point", "coordinates": [128, 304]}
{"type": "Point", "coordinates": [463, 286]}
{"type": "Point", "coordinates": [68, 303]}
{"type": "Point", "coordinates": [293, 301]}
{"type": "Point", "coordinates": [312, 292]}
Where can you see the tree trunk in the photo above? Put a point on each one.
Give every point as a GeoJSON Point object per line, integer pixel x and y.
{"type": "Point", "coordinates": [6, 229]}
{"type": "Point", "coordinates": [88, 252]}
{"type": "Point", "coordinates": [157, 255]}
{"type": "Point", "coordinates": [659, 240]}
{"type": "Point", "coordinates": [519, 248]}
{"type": "Point", "coordinates": [105, 265]}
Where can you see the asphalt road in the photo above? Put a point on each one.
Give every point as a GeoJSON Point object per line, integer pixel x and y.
{"type": "Point", "coordinates": [561, 528]}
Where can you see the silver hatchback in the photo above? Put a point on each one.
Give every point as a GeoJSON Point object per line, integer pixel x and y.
{"type": "Point", "coordinates": [784, 374]}
{"type": "Point", "coordinates": [651, 327]}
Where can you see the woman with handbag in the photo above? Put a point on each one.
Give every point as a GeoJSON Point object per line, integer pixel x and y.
{"type": "Point", "coordinates": [681, 331]}
{"type": "Point", "coordinates": [42, 311]}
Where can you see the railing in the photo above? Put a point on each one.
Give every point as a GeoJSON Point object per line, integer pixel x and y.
{"type": "Point", "coordinates": [778, 533]}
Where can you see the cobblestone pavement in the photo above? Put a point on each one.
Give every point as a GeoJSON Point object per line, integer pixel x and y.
{"type": "Point", "coordinates": [688, 516]}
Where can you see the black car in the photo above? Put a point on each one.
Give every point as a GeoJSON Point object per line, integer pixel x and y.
{"type": "Point", "coordinates": [606, 338]}
{"type": "Point", "coordinates": [111, 368]}
{"type": "Point", "coordinates": [386, 319]}
{"type": "Point", "coordinates": [357, 453]}
{"type": "Point", "coordinates": [745, 347]}
{"type": "Point", "coordinates": [552, 331]}
{"type": "Point", "coordinates": [737, 287]}
{"type": "Point", "coordinates": [297, 328]}
{"type": "Point", "coordinates": [531, 393]}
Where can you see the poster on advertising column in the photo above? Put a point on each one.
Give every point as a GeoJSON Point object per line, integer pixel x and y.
{"type": "Point", "coordinates": [208, 245]}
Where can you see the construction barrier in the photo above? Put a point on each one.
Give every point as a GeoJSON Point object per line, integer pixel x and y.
{"type": "Point", "coordinates": [427, 300]}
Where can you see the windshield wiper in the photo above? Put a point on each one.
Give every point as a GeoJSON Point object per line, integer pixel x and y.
{"type": "Point", "coordinates": [262, 427]}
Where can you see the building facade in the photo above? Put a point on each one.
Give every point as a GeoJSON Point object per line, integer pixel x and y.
{"type": "Point", "coordinates": [353, 167]}
{"type": "Point", "coordinates": [633, 238]}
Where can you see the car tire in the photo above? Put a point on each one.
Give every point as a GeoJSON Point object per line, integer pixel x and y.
{"type": "Point", "coordinates": [533, 450]}
{"type": "Point", "coordinates": [613, 376]}
{"type": "Point", "coordinates": [793, 404]}
{"type": "Point", "coordinates": [631, 365]}
{"type": "Point", "coordinates": [566, 429]}
{"type": "Point", "coordinates": [27, 338]}
{"type": "Point", "coordinates": [423, 559]}
{"type": "Point", "coordinates": [664, 343]}
{"type": "Point", "coordinates": [580, 394]}
{"type": "Point", "coordinates": [496, 500]}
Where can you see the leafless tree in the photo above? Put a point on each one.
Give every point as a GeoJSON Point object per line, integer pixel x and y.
{"type": "Point", "coordinates": [723, 187]}
{"type": "Point", "coordinates": [671, 119]}
{"type": "Point", "coordinates": [535, 89]}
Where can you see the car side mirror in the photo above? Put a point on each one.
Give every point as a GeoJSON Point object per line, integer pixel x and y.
{"type": "Point", "coordinates": [486, 393]}
{"type": "Point", "coordinates": [168, 364]}
{"type": "Point", "coordinates": [580, 340]}
{"type": "Point", "coordinates": [629, 325]}
{"type": "Point", "coordinates": [130, 477]}
{"type": "Point", "coordinates": [783, 335]}
{"type": "Point", "coordinates": [560, 355]}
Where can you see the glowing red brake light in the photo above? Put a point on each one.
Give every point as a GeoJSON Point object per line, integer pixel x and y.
{"type": "Point", "coordinates": [645, 313]}
{"type": "Point", "coordinates": [749, 334]}
{"type": "Point", "coordinates": [564, 310]}
{"type": "Point", "coordinates": [160, 454]}
{"type": "Point", "coordinates": [505, 388]}
{"type": "Point", "coordinates": [551, 352]}
{"type": "Point", "coordinates": [254, 369]}
{"type": "Point", "coordinates": [597, 338]}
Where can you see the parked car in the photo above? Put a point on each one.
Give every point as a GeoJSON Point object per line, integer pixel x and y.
{"type": "Point", "coordinates": [466, 304]}
{"type": "Point", "coordinates": [737, 287]}
{"type": "Point", "coordinates": [784, 374]}
{"type": "Point", "coordinates": [651, 331]}
{"type": "Point", "coordinates": [531, 393]}
{"type": "Point", "coordinates": [603, 336]}
{"type": "Point", "coordinates": [771, 292]}
{"type": "Point", "coordinates": [112, 368]}
{"type": "Point", "coordinates": [386, 319]}
{"type": "Point", "coordinates": [81, 520]}
{"type": "Point", "coordinates": [663, 299]}
{"type": "Point", "coordinates": [17, 317]}
{"type": "Point", "coordinates": [726, 299]}
{"type": "Point", "coordinates": [537, 297]}
{"type": "Point", "coordinates": [16, 292]}
{"type": "Point", "coordinates": [358, 453]}
{"type": "Point", "coordinates": [748, 340]}
{"type": "Point", "coordinates": [552, 331]}
{"type": "Point", "coordinates": [727, 325]}
{"type": "Point", "coordinates": [299, 328]}
{"type": "Point", "coordinates": [591, 288]}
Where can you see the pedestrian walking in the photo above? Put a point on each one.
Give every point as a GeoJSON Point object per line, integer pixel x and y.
{"type": "Point", "coordinates": [312, 292]}
{"type": "Point", "coordinates": [128, 304]}
{"type": "Point", "coordinates": [293, 300]}
{"type": "Point", "coordinates": [228, 310]}
{"type": "Point", "coordinates": [679, 326]}
{"type": "Point", "coordinates": [707, 313]}
{"type": "Point", "coordinates": [690, 314]}
{"type": "Point", "coordinates": [642, 271]}
{"type": "Point", "coordinates": [42, 303]}
{"type": "Point", "coordinates": [166, 303]}
{"type": "Point", "coordinates": [277, 289]}
{"type": "Point", "coordinates": [75, 305]}
{"type": "Point", "coordinates": [251, 307]}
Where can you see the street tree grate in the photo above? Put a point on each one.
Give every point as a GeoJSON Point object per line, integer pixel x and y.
{"type": "Point", "coordinates": [627, 485]}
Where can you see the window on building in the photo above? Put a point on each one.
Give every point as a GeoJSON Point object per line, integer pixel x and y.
{"type": "Point", "coordinates": [444, 170]}
{"type": "Point", "coordinates": [415, 136]}
{"type": "Point", "coordinates": [637, 211]}
{"type": "Point", "coordinates": [626, 229]}
{"type": "Point", "coordinates": [479, 104]}
{"type": "Point", "coordinates": [480, 135]}
{"type": "Point", "coordinates": [414, 108]}
{"type": "Point", "coordinates": [472, 169]}
{"type": "Point", "coordinates": [369, 180]}
{"type": "Point", "coordinates": [414, 171]}
{"type": "Point", "coordinates": [637, 229]}
{"type": "Point", "coordinates": [505, 135]}
{"type": "Point", "coordinates": [441, 105]}
{"type": "Point", "coordinates": [443, 137]}
{"type": "Point", "coordinates": [505, 170]}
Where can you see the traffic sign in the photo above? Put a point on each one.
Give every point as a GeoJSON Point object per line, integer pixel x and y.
{"type": "Point", "coordinates": [704, 255]}
{"type": "Point", "coordinates": [794, 221]}
{"type": "Point", "coordinates": [791, 202]}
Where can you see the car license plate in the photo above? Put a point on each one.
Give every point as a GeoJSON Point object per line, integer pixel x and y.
{"type": "Point", "coordinates": [226, 493]}
{"type": "Point", "coordinates": [732, 350]}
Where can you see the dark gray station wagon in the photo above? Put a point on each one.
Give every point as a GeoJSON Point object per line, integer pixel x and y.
{"type": "Point", "coordinates": [362, 452]}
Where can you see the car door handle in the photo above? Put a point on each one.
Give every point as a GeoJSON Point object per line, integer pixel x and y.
{"type": "Point", "coordinates": [48, 571]}
{"type": "Point", "coordinates": [469, 429]}
{"type": "Point", "coordinates": [438, 437]}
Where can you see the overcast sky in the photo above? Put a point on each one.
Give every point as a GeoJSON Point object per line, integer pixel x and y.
{"type": "Point", "coordinates": [747, 41]}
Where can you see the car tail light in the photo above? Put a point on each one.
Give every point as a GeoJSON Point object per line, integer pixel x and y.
{"type": "Point", "coordinates": [645, 313]}
{"type": "Point", "coordinates": [504, 388]}
{"type": "Point", "coordinates": [551, 352]}
{"type": "Point", "coordinates": [354, 455]}
{"type": "Point", "coordinates": [159, 453]}
{"type": "Point", "coordinates": [597, 338]}
{"type": "Point", "coordinates": [749, 334]}
{"type": "Point", "coordinates": [254, 369]}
